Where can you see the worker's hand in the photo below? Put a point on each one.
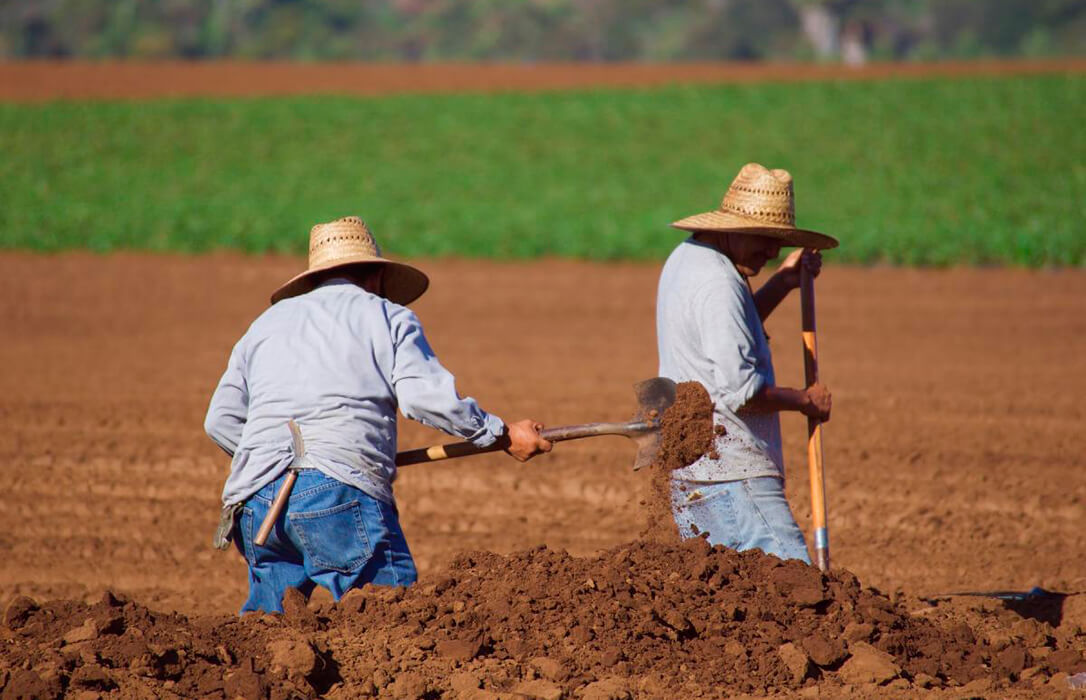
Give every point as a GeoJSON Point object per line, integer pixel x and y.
{"type": "Point", "coordinates": [818, 402]}
{"type": "Point", "coordinates": [796, 260]}
{"type": "Point", "coordinates": [524, 441]}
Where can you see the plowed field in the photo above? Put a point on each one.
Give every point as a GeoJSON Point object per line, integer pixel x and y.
{"type": "Point", "coordinates": [955, 457]}
{"type": "Point", "coordinates": [45, 80]}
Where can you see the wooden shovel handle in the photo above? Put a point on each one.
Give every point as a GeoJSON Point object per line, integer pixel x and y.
{"type": "Point", "coordinates": [283, 496]}
{"type": "Point", "coordinates": [277, 505]}
{"type": "Point", "coordinates": [436, 453]}
{"type": "Point", "coordinates": [814, 426]}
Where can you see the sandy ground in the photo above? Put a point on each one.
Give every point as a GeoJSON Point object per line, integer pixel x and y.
{"type": "Point", "coordinates": [46, 80]}
{"type": "Point", "coordinates": [954, 457]}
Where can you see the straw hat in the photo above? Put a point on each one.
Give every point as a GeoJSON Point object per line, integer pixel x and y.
{"type": "Point", "coordinates": [760, 202]}
{"type": "Point", "coordinates": [348, 241]}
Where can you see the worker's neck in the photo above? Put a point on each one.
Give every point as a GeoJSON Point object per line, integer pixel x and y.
{"type": "Point", "coordinates": [721, 242]}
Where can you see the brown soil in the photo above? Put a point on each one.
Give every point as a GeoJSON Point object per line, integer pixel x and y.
{"type": "Point", "coordinates": [644, 619]}
{"type": "Point", "coordinates": [955, 462]}
{"type": "Point", "coordinates": [686, 433]}
{"type": "Point", "coordinates": [46, 80]}
{"type": "Point", "coordinates": [686, 428]}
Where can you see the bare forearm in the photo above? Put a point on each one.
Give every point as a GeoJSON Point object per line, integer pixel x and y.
{"type": "Point", "coordinates": [772, 399]}
{"type": "Point", "coordinates": [814, 401]}
{"type": "Point", "coordinates": [785, 279]}
{"type": "Point", "coordinates": [770, 295]}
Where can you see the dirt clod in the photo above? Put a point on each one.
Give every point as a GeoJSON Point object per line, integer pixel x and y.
{"type": "Point", "coordinates": [868, 665]}
{"type": "Point", "coordinates": [85, 632]}
{"type": "Point", "coordinates": [824, 651]}
{"type": "Point", "coordinates": [795, 660]}
{"type": "Point", "coordinates": [539, 689]}
{"type": "Point", "coordinates": [296, 658]}
{"type": "Point", "coordinates": [18, 610]}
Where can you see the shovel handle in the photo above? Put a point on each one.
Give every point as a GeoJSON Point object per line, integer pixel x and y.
{"type": "Point", "coordinates": [814, 426]}
{"type": "Point", "coordinates": [277, 505]}
{"type": "Point", "coordinates": [436, 453]}
{"type": "Point", "coordinates": [283, 496]}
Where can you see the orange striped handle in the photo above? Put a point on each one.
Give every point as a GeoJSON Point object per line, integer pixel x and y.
{"type": "Point", "coordinates": [814, 426]}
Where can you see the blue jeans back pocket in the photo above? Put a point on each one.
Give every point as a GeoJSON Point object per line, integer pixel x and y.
{"type": "Point", "coordinates": [334, 538]}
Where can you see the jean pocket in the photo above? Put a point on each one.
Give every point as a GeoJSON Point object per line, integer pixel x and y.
{"type": "Point", "coordinates": [334, 538]}
{"type": "Point", "coordinates": [712, 513]}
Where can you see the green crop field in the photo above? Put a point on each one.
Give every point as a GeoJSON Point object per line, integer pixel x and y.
{"type": "Point", "coordinates": [909, 171]}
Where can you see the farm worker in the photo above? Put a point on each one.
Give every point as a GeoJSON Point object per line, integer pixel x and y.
{"type": "Point", "coordinates": [709, 329]}
{"type": "Point", "coordinates": [338, 352]}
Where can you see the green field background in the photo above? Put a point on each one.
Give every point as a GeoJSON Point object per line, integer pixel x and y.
{"type": "Point", "coordinates": [931, 172]}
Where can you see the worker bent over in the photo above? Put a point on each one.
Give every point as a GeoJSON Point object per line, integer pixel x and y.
{"type": "Point", "coordinates": [709, 329]}
{"type": "Point", "coordinates": [337, 352]}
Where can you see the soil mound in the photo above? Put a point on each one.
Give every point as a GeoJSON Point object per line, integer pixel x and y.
{"type": "Point", "coordinates": [646, 619]}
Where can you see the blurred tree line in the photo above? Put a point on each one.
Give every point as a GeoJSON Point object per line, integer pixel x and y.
{"type": "Point", "coordinates": [541, 30]}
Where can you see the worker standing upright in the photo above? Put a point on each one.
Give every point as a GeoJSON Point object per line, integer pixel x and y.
{"type": "Point", "coordinates": [709, 329]}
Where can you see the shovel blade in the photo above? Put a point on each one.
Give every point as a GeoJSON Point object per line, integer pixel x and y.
{"type": "Point", "coordinates": [654, 395]}
{"type": "Point", "coordinates": [648, 445]}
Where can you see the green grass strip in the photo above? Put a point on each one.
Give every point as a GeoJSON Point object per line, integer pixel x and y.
{"type": "Point", "coordinates": [930, 172]}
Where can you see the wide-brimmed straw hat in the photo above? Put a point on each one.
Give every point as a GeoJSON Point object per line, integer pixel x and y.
{"type": "Point", "coordinates": [348, 241]}
{"type": "Point", "coordinates": [759, 202]}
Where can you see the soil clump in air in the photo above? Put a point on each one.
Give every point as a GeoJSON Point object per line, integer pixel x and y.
{"type": "Point", "coordinates": [686, 428]}
{"type": "Point", "coordinates": [686, 433]}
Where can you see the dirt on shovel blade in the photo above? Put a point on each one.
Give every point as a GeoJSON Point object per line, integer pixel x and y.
{"type": "Point", "coordinates": [686, 428]}
{"type": "Point", "coordinates": [686, 434]}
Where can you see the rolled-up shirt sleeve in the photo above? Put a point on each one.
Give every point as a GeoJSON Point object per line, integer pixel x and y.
{"type": "Point", "coordinates": [229, 406]}
{"type": "Point", "coordinates": [426, 391]}
{"type": "Point", "coordinates": [728, 342]}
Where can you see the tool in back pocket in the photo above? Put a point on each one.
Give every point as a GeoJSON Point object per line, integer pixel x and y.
{"type": "Point", "coordinates": [283, 496]}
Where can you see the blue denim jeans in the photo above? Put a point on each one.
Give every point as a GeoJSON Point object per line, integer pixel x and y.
{"type": "Point", "coordinates": [330, 534]}
{"type": "Point", "coordinates": [744, 514]}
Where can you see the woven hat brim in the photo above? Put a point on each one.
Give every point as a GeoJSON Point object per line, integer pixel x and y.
{"type": "Point", "coordinates": [725, 222]}
{"type": "Point", "coordinates": [403, 283]}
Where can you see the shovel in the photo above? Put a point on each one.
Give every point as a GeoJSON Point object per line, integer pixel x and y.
{"type": "Point", "coordinates": [653, 398]}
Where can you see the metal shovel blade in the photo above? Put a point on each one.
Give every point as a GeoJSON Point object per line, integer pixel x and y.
{"type": "Point", "coordinates": [654, 396]}
{"type": "Point", "coordinates": [648, 446]}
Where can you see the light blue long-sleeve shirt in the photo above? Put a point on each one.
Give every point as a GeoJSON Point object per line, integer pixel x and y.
{"type": "Point", "coordinates": [708, 330]}
{"type": "Point", "coordinates": [339, 361]}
